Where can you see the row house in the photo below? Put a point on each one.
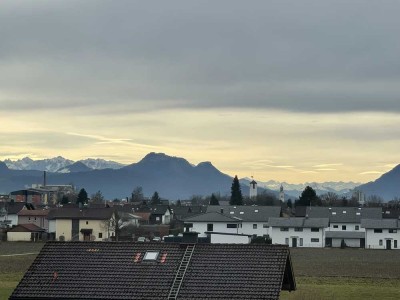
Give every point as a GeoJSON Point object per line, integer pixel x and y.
{"type": "Point", "coordinates": [381, 234]}
{"type": "Point", "coordinates": [298, 232]}
{"type": "Point", "coordinates": [344, 224]}
{"type": "Point", "coordinates": [321, 226]}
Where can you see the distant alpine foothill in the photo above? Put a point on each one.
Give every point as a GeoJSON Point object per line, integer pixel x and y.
{"type": "Point", "coordinates": [172, 177]}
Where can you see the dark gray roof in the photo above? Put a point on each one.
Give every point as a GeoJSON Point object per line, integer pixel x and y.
{"type": "Point", "coordinates": [345, 234]}
{"type": "Point", "coordinates": [80, 213]}
{"type": "Point", "coordinates": [380, 224]}
{"type": "Point", "coordinates": [116, 270]}
{"type": "Point", "coordinates": [344, 214]}
{"type": "Point", "coordinates": [182, 212]}
{"type": "Point", "coordinates": [212, 217]}
{"type": "Point", "coordinates": [248, 213]}
{"type": "Point", "coordinates": [299, 222]}
{"type": "Point", "coordinates": [12, 208]}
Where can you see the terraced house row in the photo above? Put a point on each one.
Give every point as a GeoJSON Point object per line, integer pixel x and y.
{"type": "Point", "coordinates": [311, 226]}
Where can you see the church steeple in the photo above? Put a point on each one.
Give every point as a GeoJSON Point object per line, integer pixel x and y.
{"type": "Point", "coordinates": [253, 188]}
{"type": "Point", "coordinates": [281, 194]}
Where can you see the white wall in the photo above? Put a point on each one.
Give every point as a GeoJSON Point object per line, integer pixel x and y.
{"type": "Point", "coordinates": [201, 227]}
{"type": "Point", "coordinates": [279, 237]}
{"type": "Point", "coordinates": [13, 218]}
{"type": "Point", "coordinates": [18, 236]}
{"type": "Point", "coordinates": [230, 239]}
{"type": "Point", "coordinates": [349, 227]}
{"type": "Point", "coordinates": [372, 239]}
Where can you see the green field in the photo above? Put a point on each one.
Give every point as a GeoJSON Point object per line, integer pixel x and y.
{"type": "Point", "coordinates": [12, 268]}
{"type": "Point", "coordinates": [345, 274]}
{"type": "Point", "coordinates": [337, 274]}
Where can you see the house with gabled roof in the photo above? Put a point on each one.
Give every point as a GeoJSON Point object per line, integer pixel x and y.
{"type": "Point", "coordinates": [344, 224]}
{"type": "Point", "coordinates": [254, 219]}
{"type": "Point", "coordinates": [115, 270]}
{"type": "Point", "coordinates": [81, 224]}
{"type": "Point", "coordinates": [298, 232]}
{"type": "Point", "coordinates": [381, 234]}
{"type": "Point", "coordinates": [9, 212]}
{"type": "Point", "coordinates": [25, 233]}
{"type": "Point", "coordinates": [37, 217]}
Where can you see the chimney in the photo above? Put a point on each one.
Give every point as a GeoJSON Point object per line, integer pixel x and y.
{"type": "Point", "coordinates": [44, 178]}
{"type": "Point", "coordinates": [189, 237]}
{"type": "Point", "coordinates": [222, 210]}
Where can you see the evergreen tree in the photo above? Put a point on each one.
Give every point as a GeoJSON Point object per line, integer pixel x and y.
{"type": "Point", "coordinates": [155, 199]}
{"type": "Point", "coordinates": [82, 197]}
{"type": "Point", "coordinates": [309, 197]}
{"type": "Point", "coordinates": [236, 193]}
{"type": "Point", "coordinates": [64, 199]}
{"type": "Point", "coordinates": [214, 200]}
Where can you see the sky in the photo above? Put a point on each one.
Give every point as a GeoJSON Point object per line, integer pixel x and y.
{"type": "Point", "coordinates": [293, 91]}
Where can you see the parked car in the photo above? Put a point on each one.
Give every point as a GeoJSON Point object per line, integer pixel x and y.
{"type": "Point", "coordinates": [156, 239]}
{"type": "Point", "coordinates": [142, 239]}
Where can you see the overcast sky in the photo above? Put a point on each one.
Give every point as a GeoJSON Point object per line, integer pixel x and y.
{"type": "Point", "coordinates": [288, 90]}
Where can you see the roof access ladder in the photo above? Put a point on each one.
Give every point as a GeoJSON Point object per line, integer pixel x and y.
{"type": "Point", "coordinates": [180, 274]}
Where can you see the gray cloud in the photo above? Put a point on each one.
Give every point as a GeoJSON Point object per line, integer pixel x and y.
{"type": "Point", "coordinates": [308, 56]}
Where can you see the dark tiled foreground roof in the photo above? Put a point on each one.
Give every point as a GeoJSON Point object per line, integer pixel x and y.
{"type": "Point", "coordinates": [116, 270]}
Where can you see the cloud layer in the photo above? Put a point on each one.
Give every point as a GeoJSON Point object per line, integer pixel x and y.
{"type": "Point", "coordinates": [308, 56]}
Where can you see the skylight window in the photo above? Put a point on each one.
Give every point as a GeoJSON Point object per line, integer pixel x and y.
{"type": "Point", "coordinates": [151, 255]}
{"type": "Point", "coordinates": [241, 213]}
{"type": "Point", "coordinates": [256, 210]}
{"type": "Point", "coordinates": [333, 213]}
{"type": "Point", "coordinates": [232, 212]}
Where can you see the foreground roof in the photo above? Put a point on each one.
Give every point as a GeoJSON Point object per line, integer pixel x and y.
{"type": "Point", "coordinates": [116, 270]}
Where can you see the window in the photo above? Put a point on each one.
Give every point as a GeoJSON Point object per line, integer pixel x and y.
{"type": "Point", "coordinates": [357, 227]}
{"type": "Point", "coordinates": [100, 235]}
{"type": "Point", "coordinates": [377, 230]}
{"type": "Point", "coordinates": [380, 242]}
{"type": "Point", "coordinates": [87, 222]}
{"type": "Point", "coordinates": [392, 230]}
{"type": "Point", "coordinates": [314, 240]}
{"type": "Point", "coordinates": [254, 226]}
{"type": "Point", "coordinates": [284, 229]}
{"type": "Point", "coordinates": [231, 225]}
{"type": "Point", "coordinates": [151, 255]}
{"type": "Point", "coordinates": [343, 227]}
{"type": "Point", "coordinates": [210, 227]}
{"type": "Point", "coordinates": [301, 241]}
{"type": "Point", "coordinates": [157, 218]}
{"type": "Point", "coordinates": [265, 225]}
{"type": "Point", "coordinates": [298, 229]}
{"type": "Point", "coordinates": [335, 226]}
{"type": "Point", "coordinates": [287, 241]}
{"type": "Point", "coordinates": [395, 244]}
{"type": "Point", "coordinates": [314, 229]}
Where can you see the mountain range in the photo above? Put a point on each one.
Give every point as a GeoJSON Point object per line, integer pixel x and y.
{"type": "Point", "coordinates": [61, 164]}
{"type": "Point", "coordinates": [172, 177]}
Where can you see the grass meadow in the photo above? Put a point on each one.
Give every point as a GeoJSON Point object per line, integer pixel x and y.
{"type": "Point", "coordinates": [331, 274]}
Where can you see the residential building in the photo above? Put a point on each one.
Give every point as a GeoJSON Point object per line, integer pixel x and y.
{"type": "Point", "coordinates": [37, 217]}
{"type": "Point", "coordinates": [298, 232]}
{"type": "Point", "coordinates": [344, 224]}
{"type": "Point", "coordinates": [9, 212]}
{"type": "Point", "coordinates": [81, 224]}
{"type": "Point", "coordinates": [254, 219]}
{"type": "Point", "coordinates": [25, 233]}
{"type": "Point", "coordinates": [381, 234]}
